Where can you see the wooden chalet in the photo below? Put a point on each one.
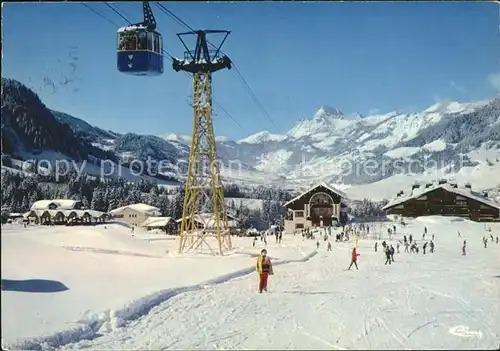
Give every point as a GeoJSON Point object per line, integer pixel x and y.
{"type": "Point", "coordinates": [444, 199]}
{"type": "Point", "coordinates": [319, 206]}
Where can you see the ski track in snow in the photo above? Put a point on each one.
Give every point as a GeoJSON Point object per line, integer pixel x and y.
{"type": "Point", "coordinates": [409, 305]}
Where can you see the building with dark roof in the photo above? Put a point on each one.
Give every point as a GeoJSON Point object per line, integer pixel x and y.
{"type": "Point", "coordinates": [444, 199]}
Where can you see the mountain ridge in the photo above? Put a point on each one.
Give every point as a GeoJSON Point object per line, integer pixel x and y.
{"type": "Point", "coordinates": [316, 148]}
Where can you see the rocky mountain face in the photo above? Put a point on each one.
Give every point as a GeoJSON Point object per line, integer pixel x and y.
{"type": "Point", "coordinates": [330, 146]}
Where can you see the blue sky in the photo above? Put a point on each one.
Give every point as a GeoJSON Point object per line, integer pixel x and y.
{"type": "Point", "coordinates": [357, 57]}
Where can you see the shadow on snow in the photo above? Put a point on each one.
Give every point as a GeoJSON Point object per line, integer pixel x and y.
{"type": "Point", "coordinates": [33, 285]}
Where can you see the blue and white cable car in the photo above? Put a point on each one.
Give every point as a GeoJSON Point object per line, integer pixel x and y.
{"type": "Point", "coordinates": [140, 47]}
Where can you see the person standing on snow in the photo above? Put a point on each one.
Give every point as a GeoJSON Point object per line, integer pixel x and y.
{"type": "Point", "coordinates": [264, 269]}
{"type": "Point", "coordinates": [329, 247]}
{"type": "Point", "coordinates": [464, 247]}
{"type": "Point", "coordinates": [317, 244]}
{"type": "Point", "coordinates": [424, 247]}
{"type": "Point", "coordinates": [354, 259]}
{"type": "Point", "coordinates": [431, 246]}
{"type": "Point", "coordinates": [391, 250]}
{"type": "Point", "coordinates": [376, 246]}
{"type": "Point", "coordinates": [387, 251]}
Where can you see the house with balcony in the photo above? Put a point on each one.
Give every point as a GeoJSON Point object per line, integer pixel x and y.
{"type": "Point", "coordinates": [320, 206]}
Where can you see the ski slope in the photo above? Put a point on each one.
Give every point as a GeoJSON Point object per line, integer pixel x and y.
{"type": "Point", "coordinates": [63, 283]}
{"type": "Point", "coordinates": [432, 301]}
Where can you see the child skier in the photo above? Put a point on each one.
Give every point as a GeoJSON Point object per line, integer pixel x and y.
{"type": "Point", "coordinates": [354, 259]}
{"type": "Point", "coordinates": [264, 269]}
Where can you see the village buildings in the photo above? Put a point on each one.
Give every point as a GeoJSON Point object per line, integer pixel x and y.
{"type": "Point", "coordinates": [319, 206]}
{"type": "Point", "coordinates": [444, 198]}
{"type": "Point", "coordinates": [62, 211]}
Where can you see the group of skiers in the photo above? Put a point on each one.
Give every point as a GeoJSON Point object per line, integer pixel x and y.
{"type": "Point", "coordinates": [264, 266]}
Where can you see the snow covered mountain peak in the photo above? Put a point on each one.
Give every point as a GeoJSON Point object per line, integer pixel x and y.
{"type": "Point", "coordinates": [325, 111]}
{"type": "Point", "coordinates": [446, 107]}
{"type": "Point", "coordinates": [262, 137]}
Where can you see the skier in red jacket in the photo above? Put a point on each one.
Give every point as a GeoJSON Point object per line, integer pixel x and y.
{"type": "Point", "coordinates": [354, 259]}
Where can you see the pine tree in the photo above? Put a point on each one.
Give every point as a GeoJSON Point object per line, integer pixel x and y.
{"type": "Point", "coordinates": [164, 205]}
{"type": "Point", "coordinates": [98, 200]}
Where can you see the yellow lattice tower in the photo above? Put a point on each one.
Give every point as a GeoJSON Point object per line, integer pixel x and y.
{"type": "Point", "coordinates": [203, 183]}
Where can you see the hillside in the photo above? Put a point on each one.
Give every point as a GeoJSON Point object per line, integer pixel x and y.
{"type": "Point", "coordinates": [365, 155]}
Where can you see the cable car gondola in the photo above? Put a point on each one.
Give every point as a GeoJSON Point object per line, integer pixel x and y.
{"type": "Point", "coordinates": [140, 47]}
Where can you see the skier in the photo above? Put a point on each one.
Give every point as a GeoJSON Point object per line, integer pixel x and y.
{"type": "Point", "coordinates": [376, 245]}
{"type": "Point", "coordinates": [254, 241]}
{"type": "Point", "coordinates": [329, 247]}
{"type": "Point", "coordinates": [405, 239]}
{"type": "Point", "coordinates": [464, 247]}
{"type": "Point", "coordinates": [406, 247]}
{"type": "Point", "coordinates": [411, 238]}
{"type": "Point", "coordinates": [354, 258]}
{"type": "Point", "coordinates": [497, 239]}
{"type": "Point", "coordinates": [264, 269]}
{"type": "Point", "coordinates": [432, 236]}
{"type": "Point", "coordinates": [485, 241]}
{"type": "Point", "coordinates": [387, 251]}
{"type": "Point", "coordinates": [431, 246]}
{"type": "Point", "coordinates": [423, 236]}
{"type": "Point", "coordinates": [317, 244]}
{"type": "Point", "coordinates": [391, 249]}
{"type": "Point", "coordinates": [425, 230]}
{"type": "Point", "coordinates": [424, 247]}
{"type": "Point", "coordinates": [397, 248]}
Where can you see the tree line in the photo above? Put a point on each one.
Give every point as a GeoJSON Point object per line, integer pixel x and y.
{"type": "Point", "coordinates": [20, 191]}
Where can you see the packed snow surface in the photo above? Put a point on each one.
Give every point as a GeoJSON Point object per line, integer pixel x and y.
{"type": "Point", "coordinates": [435, 301]}
{"type": "Point", "coordinates": [69, 278]}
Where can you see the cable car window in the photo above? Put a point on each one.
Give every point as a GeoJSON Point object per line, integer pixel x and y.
{"type": "Point", "coordinates": [128, 41]}
{"type": "Point", "coordinates": [150, 41]}
{"type": "Point", "coordinates": [157, 44]}
{"type": "Point", "coordinates": [121, 42]}
{"type": "Point", "coordinates": [142, 40]}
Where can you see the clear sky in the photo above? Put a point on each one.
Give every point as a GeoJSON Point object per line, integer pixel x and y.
{"type": "Point", "coordinates": [356, 57]}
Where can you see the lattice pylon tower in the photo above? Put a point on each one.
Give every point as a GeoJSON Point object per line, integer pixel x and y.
{"type": "Point", "coordinates": [204, 214]}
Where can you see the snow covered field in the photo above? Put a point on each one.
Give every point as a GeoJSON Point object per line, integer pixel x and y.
{"type": "Point", "coordinates": [433, 301]}
{"type": "Point", "coordinates": [86, 273]}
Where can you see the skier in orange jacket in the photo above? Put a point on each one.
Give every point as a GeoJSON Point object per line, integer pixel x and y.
{"type": "Point", "coordinates": [264, 268]}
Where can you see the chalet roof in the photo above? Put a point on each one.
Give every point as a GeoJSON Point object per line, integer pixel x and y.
{"type": "Point", "coordinates": [158, 221]}
{"type": "Point", "coordinates": [63, 204]}
{"type": "Point", "coordinates": [323, 184]}
{"type": "Point", "coordinates": [143, 208]}
{"type": "Point", "coordinates": [447, 187]}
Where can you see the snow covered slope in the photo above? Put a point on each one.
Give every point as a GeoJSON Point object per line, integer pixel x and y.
{"type": "Point", "coordinates": [73, 279]}
{"type": "Point", "coordinates": [416, 303]}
